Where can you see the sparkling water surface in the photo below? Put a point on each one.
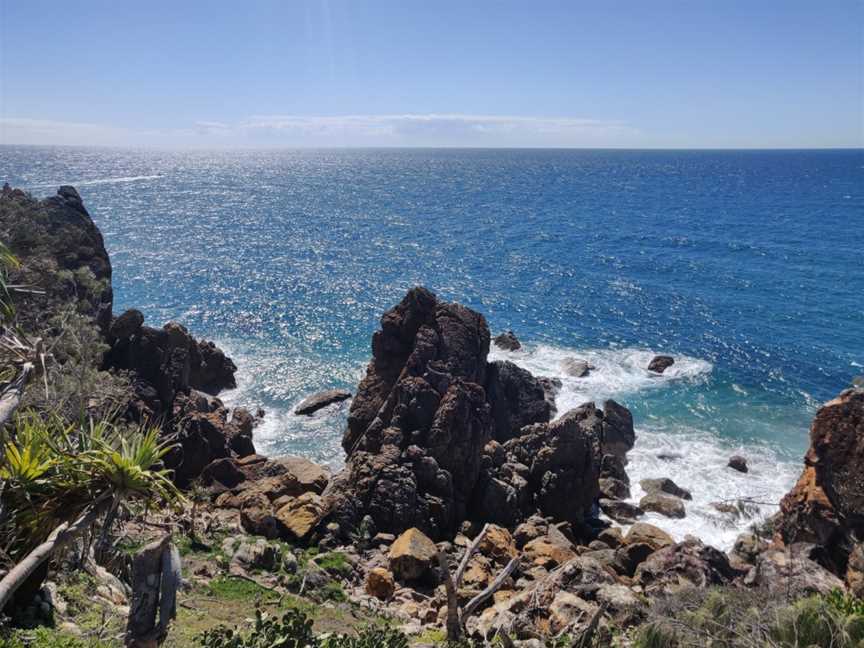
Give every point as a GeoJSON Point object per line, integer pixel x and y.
{"type": "Point", "coordinates": [747, 266]}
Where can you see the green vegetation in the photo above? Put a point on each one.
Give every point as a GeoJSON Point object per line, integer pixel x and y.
{"type": "Point", "coordinates": [751, 619]}
{"type": "Point", "coordinates": [238, 589]}
{"type": "Point", "coordinates": [48, 638]}
{"type": "Point", "coordinates": [294, 630]}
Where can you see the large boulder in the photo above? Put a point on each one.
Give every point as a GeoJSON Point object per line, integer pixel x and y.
{"type": "Point", "coordinates": [826, 506]}
{"type": "Point", "coordinates": [412, 556]}
{"type": "Point", "coordinates": [666, 505]}
{"type": "Point", "coordinates": [507, 341]}
{"type": "Point", "coordinates": [660, 363]}
{"type": "Point", "coordinates": [686, 564]}
{"type": "Point", "coordinates": [664, 485]}
{"type": "Point", "coordinates": [792, 571]}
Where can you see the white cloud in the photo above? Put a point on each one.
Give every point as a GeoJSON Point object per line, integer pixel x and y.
{"type": "Point", "coordinates": [350, 130]}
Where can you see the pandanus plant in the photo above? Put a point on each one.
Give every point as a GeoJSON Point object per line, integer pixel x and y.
{"type": "Point", "coordinates": [60, 478]}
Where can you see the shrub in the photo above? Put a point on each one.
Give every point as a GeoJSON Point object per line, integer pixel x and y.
{"type": "Point", "coordinates": [294, 630]}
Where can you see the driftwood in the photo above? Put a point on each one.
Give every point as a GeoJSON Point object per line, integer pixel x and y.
{"type": "Point", "coordinates": [19, 574]}
{"type": "Point", "coordinates": [455, 616]}
{"type": "Point", "coordinates": [155, 580]}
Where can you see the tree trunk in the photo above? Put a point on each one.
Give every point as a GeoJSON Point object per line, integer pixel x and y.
{"type": "Point", "coordinates": [155, 580]}
{"type": "Point", "coordinates": [11, 397]}
{"type": "Point", "coordinates": [60, 536]}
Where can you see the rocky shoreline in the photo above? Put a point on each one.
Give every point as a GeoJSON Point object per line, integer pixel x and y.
{"type": "Point", "coordinates": [448, 455]}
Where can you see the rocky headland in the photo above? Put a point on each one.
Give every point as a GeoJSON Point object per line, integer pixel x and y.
{"type": "Point", "coordinates": [454, 465]}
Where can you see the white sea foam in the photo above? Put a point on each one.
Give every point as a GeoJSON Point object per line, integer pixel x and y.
{"type": "Point", "coordinates": [700, 462]}
{"type": "Point", "coordinates": [616, 373]}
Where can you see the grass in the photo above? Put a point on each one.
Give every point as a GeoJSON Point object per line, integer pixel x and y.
{"type": "Point", "coordinates": [238, 589]}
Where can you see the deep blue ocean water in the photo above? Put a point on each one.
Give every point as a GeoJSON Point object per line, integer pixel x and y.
{"type": "Point", "coordinates": [747, 266]}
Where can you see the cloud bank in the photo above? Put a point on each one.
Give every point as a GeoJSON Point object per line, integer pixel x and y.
{"type": "Point", "coordinates": [431, 129]}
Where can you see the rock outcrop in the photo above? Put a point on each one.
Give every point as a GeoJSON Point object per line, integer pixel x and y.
{"type": "Point", "coordinates": [315, 402]}
{"type": "Point", "coordinates": [438, 435]}
{"type": "Point", "coordinates": [826, 506]}
{"type": "Point", "coordinates": [660, 363]}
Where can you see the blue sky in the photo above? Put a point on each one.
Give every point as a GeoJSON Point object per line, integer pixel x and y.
{"type": "Point", "coordinates": [688, 73]}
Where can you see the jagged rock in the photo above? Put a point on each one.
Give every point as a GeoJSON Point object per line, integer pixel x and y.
{"type": "Point", "coordinates": [507, 341]}
{"type": "Point", "coordinates": [664, 485]}
{"type": "Point", "coordinates": [618, 433]}
{"type": "Point", "coordinates": [380, 583]}
{"type": "Point", "coordinates": [688, 563]}
{"type": "Point", "coordinates": [564, 462]}
{"type": "Point", "coordinates": [648, 534]}
{"type": "Point", "coordinates": [224, 471]}
{"type": "Point", "coordinates": [516, 397]}
{"type": "Point", "coordinates": [412, 555]}
{"type": "Point", "coordinates": [239, 432]}
{"type": "Point", "coordinates": [421, 423]}
{"type": "Point", "coordinates": [739, 463]}
{"type": "Point", "coordinates": [126, 325]}
{"type": "Point", "coordinates": [613, 489]}
{"type": "Point", "coordinates": [315, 402]}
{"type": "Point", "coordinates": [533, 527]}
{"type": "Point", "coordinates": [792, 571]}
{"type": "Point", "coordinates": [612, 467]}
{"type": "Point", "coordinates": [551, 387]}
{"type": "Point", "coordinates": [663, 504]}
{"type": "Point", "coordinates": [498, 545]}
{"type": "Point", "coordinates": [660, 363]}
{"type": "Point", "coordinates": [422, 391]}
{"type": "Point", "coordinates": [576, 367]}
{"type": "Point", "coordinates": [826, 506]}
{"type": "Point", "coordinates": [622, 512]}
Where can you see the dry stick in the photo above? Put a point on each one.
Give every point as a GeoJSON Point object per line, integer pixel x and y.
{"type": "Point", "coordinates": [454, 626]}
{"type": "Point", "coordinates": [61, 535]}
{"type": "Point", "coordinates": [584, 640]}
{"type": "Point", "coordinates": [493, 587]}
{"type": "Point", "coordinates": [472, 548]}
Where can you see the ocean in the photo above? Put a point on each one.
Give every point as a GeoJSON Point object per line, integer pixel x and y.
{"type": "Point", "coordinates": [746, 266]}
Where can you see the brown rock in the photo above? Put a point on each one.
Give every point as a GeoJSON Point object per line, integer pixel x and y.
{"type": "Point", "coordinates": [686, 564]}
{"type": "Point", "coordinates": [666, 505]}
{"type": "Point", "coordinates": [380, 583]}
{"type": "Point", "coordinates": [507, 341]}
{"type": "Point", "coordinates": [301, 515]}
{"type": "Point", "coordinates": [649, 534]}
{"type": "Point", "coordinates": [665, 485]}
{"type": "Point", "coordinates": [614, 489]}
{"type": "Point", "coordinates": [498, 545]}
{"type": "Point", "coordinates": [547, 553]}
{"type": "Point", "coordinates": [622, 512]}
{"type": "Point", "coordinates": [412, 555]}
{"type": "Point", "coordinates": [855, 571]}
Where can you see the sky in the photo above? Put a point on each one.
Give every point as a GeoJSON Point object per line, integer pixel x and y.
{"type": "Point", "coordinates": [320, 73]}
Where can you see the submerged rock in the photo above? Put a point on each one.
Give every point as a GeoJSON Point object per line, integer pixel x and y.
{"type": "Point", "coordinates": [739, 463]}
{"type": "Point", "coordinates": [315, 402]}
{"type": "Point", "coordinates": [664, 485]}
{"type": "Point", "coordinates": [576, 367]}
{"type": "Point", "coordinates": [661, 363]}
{"type": "Point", "coordinates": [663, 504]}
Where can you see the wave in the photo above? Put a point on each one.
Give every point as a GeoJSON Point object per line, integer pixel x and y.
{"type": "Point", "coordinates": [616, 373]}
{"type": "Point", "coordinates": [700, 456]}
{"type": "Point", "coordinates": [98, 181]}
